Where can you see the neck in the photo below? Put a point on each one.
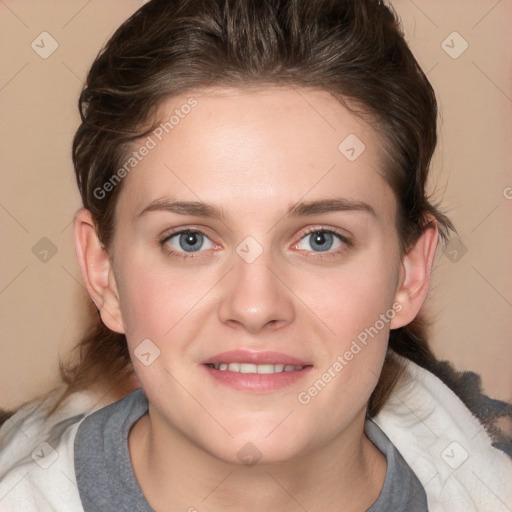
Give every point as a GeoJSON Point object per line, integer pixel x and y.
{"type": "Point", "coordinates": [176, 474]}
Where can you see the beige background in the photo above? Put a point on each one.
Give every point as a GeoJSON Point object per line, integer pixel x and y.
{"type": "Point", "coordinates": [42, 303]}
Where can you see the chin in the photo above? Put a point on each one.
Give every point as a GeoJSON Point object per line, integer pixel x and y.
{"type": "Point", "coordinates": [253, 446]}
{"type": "Point", "coordinates": [250, 453]}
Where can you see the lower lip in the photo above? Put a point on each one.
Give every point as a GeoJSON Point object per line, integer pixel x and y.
{"type": "Point", "coordinates": [257, 381]}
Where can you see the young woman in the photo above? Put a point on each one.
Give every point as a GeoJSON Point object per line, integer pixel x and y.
{"type": "Point", "coordinates": [257, 240]}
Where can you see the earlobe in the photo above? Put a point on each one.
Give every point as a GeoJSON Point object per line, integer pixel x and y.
{"type": "Point", "coordinates": [96, 268]}
{"type": "Point", "coordinates": [415, 275]}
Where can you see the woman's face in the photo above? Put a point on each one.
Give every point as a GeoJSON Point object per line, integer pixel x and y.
{"type": "Point", "coordinates": [293, 265]}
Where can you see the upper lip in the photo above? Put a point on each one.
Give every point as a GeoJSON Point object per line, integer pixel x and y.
{"type": "Point", "coordinates": [254, 357]}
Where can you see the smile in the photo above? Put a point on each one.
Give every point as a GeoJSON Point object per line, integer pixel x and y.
{"type": "Point", "coordinates": [255, 368]}
{"type": "Point", "coordinates": [256, 371]}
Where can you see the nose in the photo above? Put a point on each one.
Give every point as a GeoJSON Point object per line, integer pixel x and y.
{"type": "Point", "coordinates": [255, 295]}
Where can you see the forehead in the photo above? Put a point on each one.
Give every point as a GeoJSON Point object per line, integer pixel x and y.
{"type": "Point", "coordinates": [258, 150]}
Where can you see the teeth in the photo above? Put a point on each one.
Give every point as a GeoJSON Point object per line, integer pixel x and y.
{"type": "Point", "coordinates": [256, 368]}
{"type": "Point", "coordinates": [266, 368]}
{"type": "Point", "coordinates": [248, 368]}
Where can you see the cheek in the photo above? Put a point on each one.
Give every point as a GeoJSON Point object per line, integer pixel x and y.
{"type": "Point", "coordinates": [153, 302]}
{"type": "Point", "coordinates": [356, 305]}
{"type": "Point", "coordinates": [352, 298]}
{"type": "Point", "coordinates": [359, 323]}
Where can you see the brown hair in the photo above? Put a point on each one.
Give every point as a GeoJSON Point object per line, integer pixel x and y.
{"type": "Point", "coordinates": [353, 49]}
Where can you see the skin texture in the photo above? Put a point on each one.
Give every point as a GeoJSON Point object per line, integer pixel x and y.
{"type": "Point", "coordinates": [254, 154]}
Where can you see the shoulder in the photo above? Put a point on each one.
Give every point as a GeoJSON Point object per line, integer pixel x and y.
{"type": "Point", "coordinates": [446, 445]}
{"type": "Point", "coordinates": [37, 455]}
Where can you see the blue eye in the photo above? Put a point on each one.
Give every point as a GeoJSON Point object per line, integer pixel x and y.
{"type": "Point", "coordinates": [322, 240]}
{"type": "Point", "coordinates": [189, 241]}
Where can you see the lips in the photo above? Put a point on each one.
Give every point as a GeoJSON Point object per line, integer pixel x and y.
{"type": "Point", "coordinates": [256, 371]}
{"type": "Point", "coordinates": [255, 358]}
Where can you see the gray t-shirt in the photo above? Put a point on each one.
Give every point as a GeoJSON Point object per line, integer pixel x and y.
{"type": "Point", "coordinates": [107, 483]}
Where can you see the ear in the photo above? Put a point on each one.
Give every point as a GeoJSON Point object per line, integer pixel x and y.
{"type": "Point", "coordinates": [415, 271]}
{"type": "Point", "coordinates": [97, 273]}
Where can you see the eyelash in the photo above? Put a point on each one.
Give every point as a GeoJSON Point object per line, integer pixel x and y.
{"type": "Point", "coordinates": [318, 255]}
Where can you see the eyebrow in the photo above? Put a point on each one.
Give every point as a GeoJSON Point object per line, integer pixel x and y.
{"type": "Point", "coordinates": [303, 209]}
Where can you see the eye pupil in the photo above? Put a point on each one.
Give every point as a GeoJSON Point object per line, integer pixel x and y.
{"type": "Point", "coordinates": [319, 238]}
